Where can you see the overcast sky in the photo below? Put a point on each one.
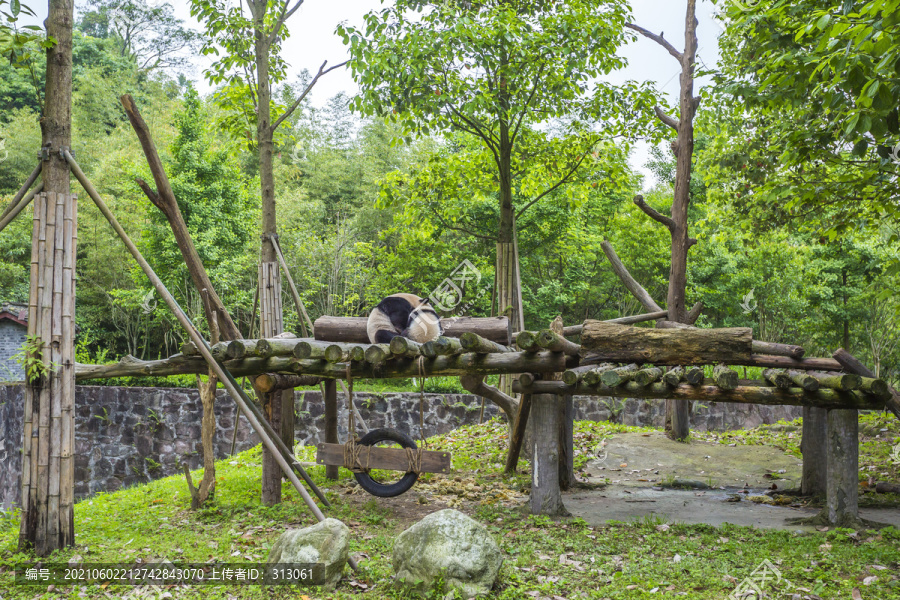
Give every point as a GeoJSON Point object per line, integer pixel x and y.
{"type": "Point", "coordinates": [313, 40]}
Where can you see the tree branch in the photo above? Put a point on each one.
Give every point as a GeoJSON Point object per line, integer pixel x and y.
{"type": "Point", "coordinates": [460, 229]}
{"type": "Point", "coordinates": [659, 39]}
{"type": "Point", "coordinates": [667, 119]}
{"type": "Point", "coordinates": [667, 221]}
{"type": "Point", "coordinates": [554, 186]}
{"type": "Point", "coordinates": [284, 16]}
{"type": "Point", "coordinates": [293, 107]}
{"type": "Point", "coordinates": [633, 286]}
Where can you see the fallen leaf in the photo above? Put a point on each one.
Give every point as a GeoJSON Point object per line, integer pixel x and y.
{"type": "Point", "coordinates": [870, 580]}
{"type": "Point", "coordinates": [857, 595]}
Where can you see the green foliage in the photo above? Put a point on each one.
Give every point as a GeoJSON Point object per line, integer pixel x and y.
{"type": "Point", "coordinates": [33, 360]}
{"type": "Point", "coordinates": [219, 210]}
{"type": "Point", "coordinates": [807, 117]}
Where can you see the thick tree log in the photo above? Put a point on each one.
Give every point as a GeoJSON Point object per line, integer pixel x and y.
{"type": "Point", "coordinates": [674, 376]}
{"type": "Point", "coordinates": [726, 378]}
{"type": "Point", "coordinates": [447, 346]}
{"type": "Point", "coordinates": [712, 393]}
{"type": "Point", "coordinates": [803, 380]}
{"type": "Point", "coordinates": [546, 498]}
{"type": "Point", "coordinates": [842, 493]}
{"type": "Point", "coordinates": [402, 346]}
{"type": "Point", "coordinates": [378, 353]}
{"type": "Point", "coordinates": [618, 375]}
{"type": "Point", "coordinates": [608, 341]}
{"type": "Point", "coordinates": [527, 341]}
{"type": "Point", "coordinates": [649, 374]}
{"type": "Point", "coordinates": [694, 375]}
{"type": "Point", "coordinates": [815, 451]}
{"type": "Point", "coordinates": [550, 340]}
{"type": "Point", "coordinates": [778, 378]}
{"type": "Point", "coordinates": [270, 382]}
{"type": "Point", "coordinates": [594, 375]}
{"type": "Point", "coordinates": [853, 365]}
{"type": "Point", "coordinates": [472, 342]}
{"type": "Point", "coordinates": [353, 329]}
{"type": "Point", "coordinates": [844, 382]}
{"type": "Point", "coordinates": [757, 346]}
{"type": "Point", "coordinates": [476, 385]}
{"type": "Point", "coordinates": [877, 387]}
{"type": "Point", "coordinates": [778, 349]}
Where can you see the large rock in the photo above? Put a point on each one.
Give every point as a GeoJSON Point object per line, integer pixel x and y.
{"type": "Point", "coordinates": [326, 542]}
{"type": "Point", "coordinates": [450, 545]}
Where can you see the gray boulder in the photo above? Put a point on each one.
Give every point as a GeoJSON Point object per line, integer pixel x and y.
{"type": "Point", "coordinates": [326, 543]}
{"type": "Point", "coordinates": [448, 544]}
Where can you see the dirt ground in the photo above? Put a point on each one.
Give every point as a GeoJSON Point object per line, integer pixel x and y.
{"type": "Point", "coordinates": [698, 482]}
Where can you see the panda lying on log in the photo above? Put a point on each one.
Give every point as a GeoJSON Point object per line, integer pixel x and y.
{"type": "Point", "coordinates": [406, 315]}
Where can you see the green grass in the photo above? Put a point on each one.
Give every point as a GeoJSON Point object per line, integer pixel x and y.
{"type": "Point", "coordinates": [567, 559]}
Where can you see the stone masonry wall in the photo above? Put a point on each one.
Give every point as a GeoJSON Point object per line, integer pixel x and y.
{"type": "Point", "coordinates": [127, 436]}
{"type": "Point", "coordinates": [12, 338]}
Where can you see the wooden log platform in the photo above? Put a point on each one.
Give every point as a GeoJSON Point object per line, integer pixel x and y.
{"type": "Point", "coordinates": [353, 329]}
{"type": "Point", "coordinates": [824, 398]}
{"type": "Point", "coordinates": [389, 459]}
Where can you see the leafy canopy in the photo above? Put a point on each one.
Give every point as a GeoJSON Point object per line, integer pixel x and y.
{"type": "Point", "coordinates": [816, 118]}
{"type": "Point", "coordinates": [484, 67]}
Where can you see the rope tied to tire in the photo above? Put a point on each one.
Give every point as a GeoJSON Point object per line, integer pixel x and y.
{"type": "Point", "coordinates": [352, 450]}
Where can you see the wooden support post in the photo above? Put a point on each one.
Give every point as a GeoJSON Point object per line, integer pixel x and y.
{"type": "Point", "coordinates": [566, 407]}
{"type": "Point", "coordinates": [271, 324]}
{"type": "Point", "coordinates": [546, 498]}
{"type": "Point", "coordinates": [331, 422]}
{"type": "Point", "coordinates": [518, 434]}
{"type": "Point", "coordinates": [842, 493]}
{"type": "Point", "coordinates": [48, 481]}
{"type": "Point", "coordinates": [287, 418]}
{"type": "Point", "coordinates": [815, 452]}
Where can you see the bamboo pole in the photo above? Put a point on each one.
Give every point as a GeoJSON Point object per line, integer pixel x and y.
{"type": "Point", "coordinates": [267, 436]}
{"type": "Point", "coordinates": [23, 190]}
{"type": "Point", "coordinates": [304, 317]}
{"type": "Point", "coordinates": [20, 206]}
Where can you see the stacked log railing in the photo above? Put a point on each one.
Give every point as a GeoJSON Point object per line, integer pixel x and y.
{"type": "Point", "coordinates": [601, 370]}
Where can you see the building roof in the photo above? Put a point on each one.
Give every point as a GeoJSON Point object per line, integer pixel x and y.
{"type": "Point", "coordinates": [14, 311]}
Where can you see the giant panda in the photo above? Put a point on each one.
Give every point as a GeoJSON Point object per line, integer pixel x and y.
{"type": "Point", "coordinates": [405, 315]}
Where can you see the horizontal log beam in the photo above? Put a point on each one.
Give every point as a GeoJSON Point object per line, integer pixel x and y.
{"type": "Point", "coordinates": [353, 329]}
{"type": "Point", "coordinates": [631, 320]}
{"type": "Point", "coordinates": [400, 367]}
{"type": "Point", "coordinates": [824, 398]}
{"type": "Point", "coordinates": [622, 343]}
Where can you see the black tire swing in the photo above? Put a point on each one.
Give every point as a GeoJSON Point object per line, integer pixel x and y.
{"type": "Point", "coordinates": [377, 488]}
{"type": "Point", "coordinates": [352, 449]}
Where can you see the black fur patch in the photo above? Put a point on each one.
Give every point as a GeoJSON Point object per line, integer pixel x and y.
{"type": "Point", "coordinates": [383, 336]}
{"type": "Point", "coordinates": [397, 310]}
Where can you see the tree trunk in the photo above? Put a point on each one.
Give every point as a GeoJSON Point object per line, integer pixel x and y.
{"type": "Point", "coordinates": [843, 467]}
{"type": "Point", "coordinates": [331, 422]}
{"type": "Point", "coordinates": [814, 449]}
{"type": "Point", "coordinates": [546, 498]}
{"type": "Point", "coordinates": [48, 482]}
{"type": "Point", "coordinates": [270, 326]}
